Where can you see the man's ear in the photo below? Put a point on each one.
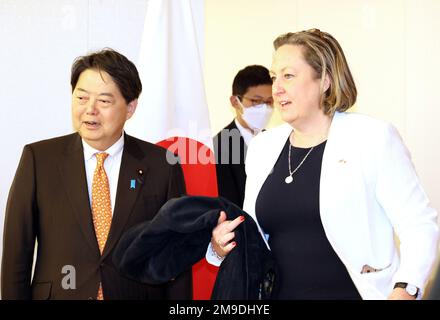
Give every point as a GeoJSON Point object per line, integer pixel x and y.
{"type": "Point", "coordinates": [234, 102]}
{"type": "Point", "coordinates": [131, 108]}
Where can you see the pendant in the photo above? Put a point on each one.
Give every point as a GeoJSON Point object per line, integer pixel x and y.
{"type": "Point", "coordinates": [288, 179]}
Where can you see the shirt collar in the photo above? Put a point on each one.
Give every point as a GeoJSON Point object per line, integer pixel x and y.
{"type": "Point", "coordinates": [246, 134]}
{"type": "Point", "coordinates": [89, 151]}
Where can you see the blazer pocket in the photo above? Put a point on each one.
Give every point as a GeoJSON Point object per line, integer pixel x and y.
{"type": "Point", "coordinates": [41, 290]}
{"type": "Point", "coordinates": [376, 272]}
{"type": "Point", "coordinates": [382, 278]}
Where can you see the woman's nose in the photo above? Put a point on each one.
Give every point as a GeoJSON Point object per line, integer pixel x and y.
{"type": "Point", "coordinates": [277, 88]}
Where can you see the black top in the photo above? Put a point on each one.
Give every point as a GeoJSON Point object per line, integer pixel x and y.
{"type": "Point", "coordinates": [309, 267]}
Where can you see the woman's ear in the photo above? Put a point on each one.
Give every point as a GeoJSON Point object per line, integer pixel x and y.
{"type": "Point", "coordinates": [327, 83]}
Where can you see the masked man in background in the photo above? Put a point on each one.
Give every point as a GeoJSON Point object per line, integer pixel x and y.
{"type": "Point", "coordinates": [253, 104]}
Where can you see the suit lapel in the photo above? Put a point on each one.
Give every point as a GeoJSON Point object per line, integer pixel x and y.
{"type": "Point", "coordinates": [238, 170]}
{"type": "Point", "coordinates": [73, 175]}
{"type": "Point", "coordinates": [126, 195]}
{"type": "Point", "coordinates": [336, 154]}
{"type": "Point", "coordinates": [243, 146]}
{"type": "Point", "coordinates": [335, 178]}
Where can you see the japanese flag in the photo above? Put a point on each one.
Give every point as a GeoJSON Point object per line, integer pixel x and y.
{"type": "Point", "coordinates": [172, 110]}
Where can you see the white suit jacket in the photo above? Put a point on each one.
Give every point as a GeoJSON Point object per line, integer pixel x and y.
{"type": "Point", "coordinates": [368, 188]}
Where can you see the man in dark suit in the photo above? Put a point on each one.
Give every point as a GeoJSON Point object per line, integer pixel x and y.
{"type": "Point", "coordinates": [76, 206]}
{"type": "Point", "coordinates": [253, 104]}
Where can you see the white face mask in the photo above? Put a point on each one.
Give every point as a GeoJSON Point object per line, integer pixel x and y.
{"type": "Point", "coordinates": [257, 117]}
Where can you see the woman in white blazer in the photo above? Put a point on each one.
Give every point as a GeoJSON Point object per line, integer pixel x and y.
{"type": "Point", "coordinates": [330, 190]}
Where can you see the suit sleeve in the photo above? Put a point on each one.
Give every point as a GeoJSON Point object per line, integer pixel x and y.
{"type": "Point", "coordinates": [19, 231]}
{"type": "Point", "coordinates": [181, 287]}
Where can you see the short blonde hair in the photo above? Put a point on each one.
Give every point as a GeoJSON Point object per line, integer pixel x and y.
{"type": "Point", "coordinates": [324, 54]}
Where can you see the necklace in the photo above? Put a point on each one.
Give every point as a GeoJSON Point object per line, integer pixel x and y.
{"type": "Point", "coordinates": [289, 178]}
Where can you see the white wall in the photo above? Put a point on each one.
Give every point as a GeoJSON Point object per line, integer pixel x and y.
{"type": "Point", "coordinates": [422, 104]}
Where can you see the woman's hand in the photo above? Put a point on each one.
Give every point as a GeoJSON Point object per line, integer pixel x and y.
{"type": "Point", "coordinates": [223, 234]}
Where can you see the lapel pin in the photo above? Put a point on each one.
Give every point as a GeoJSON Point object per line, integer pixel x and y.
{"type": "Point", "coordinates": [140, 178]}
{"type": "Point", "coordinates": [132, 184]}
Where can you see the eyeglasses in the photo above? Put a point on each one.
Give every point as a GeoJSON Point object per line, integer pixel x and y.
{"type": "Point", "coordinates": [255, 102]}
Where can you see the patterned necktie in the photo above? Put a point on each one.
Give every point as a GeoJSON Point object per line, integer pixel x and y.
{"type": "Point", "coordinates": [101, 206]}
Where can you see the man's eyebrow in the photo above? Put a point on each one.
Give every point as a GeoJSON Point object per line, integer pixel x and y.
{"type": "Point", "coordinates": [108, 94]}
{"type": "Point", "coordinates": [83, 90]}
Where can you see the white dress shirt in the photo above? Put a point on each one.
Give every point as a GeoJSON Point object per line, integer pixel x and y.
{"type": "Point", "coordinates": [245, 133]}
{"type": "Point", "coordinates": [111, 165]}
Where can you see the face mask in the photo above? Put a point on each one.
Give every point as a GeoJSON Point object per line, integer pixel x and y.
{"type": "Point", "coordinates": [257, 116]}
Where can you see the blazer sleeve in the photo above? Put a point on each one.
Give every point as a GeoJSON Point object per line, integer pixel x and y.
{"type": "Point", "coordinates": [181, 287]}
{"type": "Point", "coordinates": [20, 231]}
{"type": "Point", "coordinates": [401, 195]}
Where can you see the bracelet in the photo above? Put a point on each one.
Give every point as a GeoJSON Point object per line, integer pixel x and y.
{"type": "Point", "coordinates": [215, 254]}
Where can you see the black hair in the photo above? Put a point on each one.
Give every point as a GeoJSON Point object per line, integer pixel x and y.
{"type": "Point", "coordinates": [251, 76]}
{"type": "Point", "coordinates": [122, 71]}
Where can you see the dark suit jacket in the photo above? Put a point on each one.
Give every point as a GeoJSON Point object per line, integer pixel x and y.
{"type": "Point", "coordinates": [230, 152]}
{"type": "Point", "coordinates": [49, 202]}
{"type": "Point", "coordinates": [158, 250]}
